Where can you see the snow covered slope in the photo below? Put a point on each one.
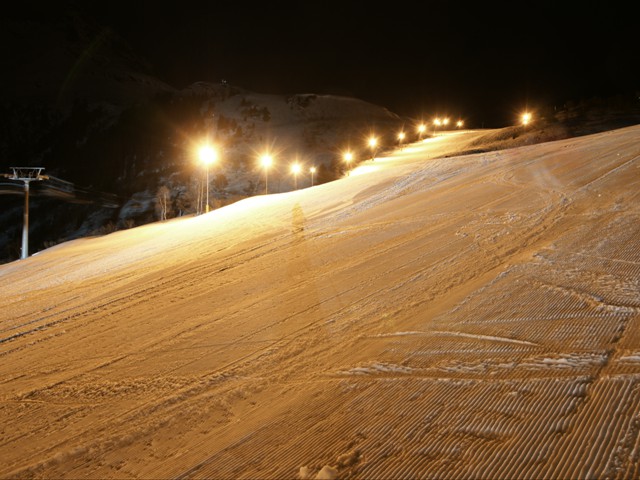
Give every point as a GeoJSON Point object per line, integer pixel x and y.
{"type": "Point", "coordinates": [425, 317]}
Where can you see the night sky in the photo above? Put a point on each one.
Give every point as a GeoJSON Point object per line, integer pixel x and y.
{"type": "Point", "coordinates": [482, 61]}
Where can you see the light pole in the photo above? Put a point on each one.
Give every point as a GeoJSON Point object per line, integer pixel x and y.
{"type": "Point", "coordinates": [26, 175]}
{"type": "Point", "coordinates": [348, 158]}
{"type": "Point", "coordinates": [373, 141]}
{"type": "Point", "coordinates": [421, 129]}
{"type": "Point", "coordinates": [459, 123]}
{"type": "Point", "coordinates": [207, 156]}
{"type": "Point", "coordinates": [295, 169]}
{"type": "Point", "coordinates": [266, 162]}
{"type": "Point", "coordinates": [401, 136]}
{"type": "Point", "coordinates": [312, 170]}
{"type": "Point", "coordinates": [526, 118]}
{"type": "Point", "coordinates": [436, 123]}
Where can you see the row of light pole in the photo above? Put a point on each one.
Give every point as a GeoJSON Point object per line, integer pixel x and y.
{"type": "Point", "coordinates": [267, 160]}
{"type": "Point", "coordinates": [208, 155]}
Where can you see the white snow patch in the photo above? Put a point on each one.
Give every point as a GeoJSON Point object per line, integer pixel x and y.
{"type": "Point", "coordinates": [485, 337]}
{"type": "Point", "coordinates": [304, 473]}
{"type": "Point", "coordinates": [466, 368]}
{"type": "Point", "coordinates": [327, 473]}
{"type": "Point", "coordinates": [377, 367]}
{"type": "Point", "coordinates": [397, 334]}
{"type": "Point", "coordinates": [634, 358]}
{"type": "Point", "coordinates": [364, 169]}
{"type": "Point", "coordinates": [567, 361]}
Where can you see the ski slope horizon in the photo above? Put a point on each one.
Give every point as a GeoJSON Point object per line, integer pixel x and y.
{"type": "Point", "coordinates": [430, 315]}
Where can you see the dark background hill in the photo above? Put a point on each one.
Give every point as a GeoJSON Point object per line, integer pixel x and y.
{"type": "Point", "coordinates": [112, 136]}
{"type": "Point", "coordinates": [82, 105]}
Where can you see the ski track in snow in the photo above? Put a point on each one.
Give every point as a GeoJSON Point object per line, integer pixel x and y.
{"type": "Point", "coordinates": [426, 317]}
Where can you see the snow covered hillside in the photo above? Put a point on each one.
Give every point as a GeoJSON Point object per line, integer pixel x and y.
{"type": "Point", "coordinates": [424, 317]}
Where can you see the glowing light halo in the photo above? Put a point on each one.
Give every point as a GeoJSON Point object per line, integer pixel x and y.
{"type": "Point", "coordinates": [207, 154]}
{"type": "Point", "coordinates": [348, 157]}
{"type": "Point", "coordinates": [266, 160]}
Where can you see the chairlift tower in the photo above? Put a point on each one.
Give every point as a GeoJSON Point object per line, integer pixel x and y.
{"type": "Point", "coordinates": [26, 175]}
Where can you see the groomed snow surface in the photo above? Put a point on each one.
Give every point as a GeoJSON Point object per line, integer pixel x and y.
{"type": "Point", "coordinates": [428, 316]}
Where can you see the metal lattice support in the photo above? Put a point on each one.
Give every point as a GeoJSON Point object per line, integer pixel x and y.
{"type": "Point", "coordinates": [26, 175]}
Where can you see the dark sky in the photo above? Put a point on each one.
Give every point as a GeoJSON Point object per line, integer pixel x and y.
{"type": "Point", "coordinates": [483, 61]}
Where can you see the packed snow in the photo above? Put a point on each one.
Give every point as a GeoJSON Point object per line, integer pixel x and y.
{"type": "Point", "coordinates": [429, 315]}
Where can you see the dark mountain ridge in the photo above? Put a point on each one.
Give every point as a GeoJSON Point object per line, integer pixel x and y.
{"type": "Point", "coordinates": [116, 141]}
{"type": "Point", "coordinates": [82, 105]}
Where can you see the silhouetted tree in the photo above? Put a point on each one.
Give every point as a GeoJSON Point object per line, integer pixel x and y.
{"type": "Point", "coordinates": [163, 202]}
